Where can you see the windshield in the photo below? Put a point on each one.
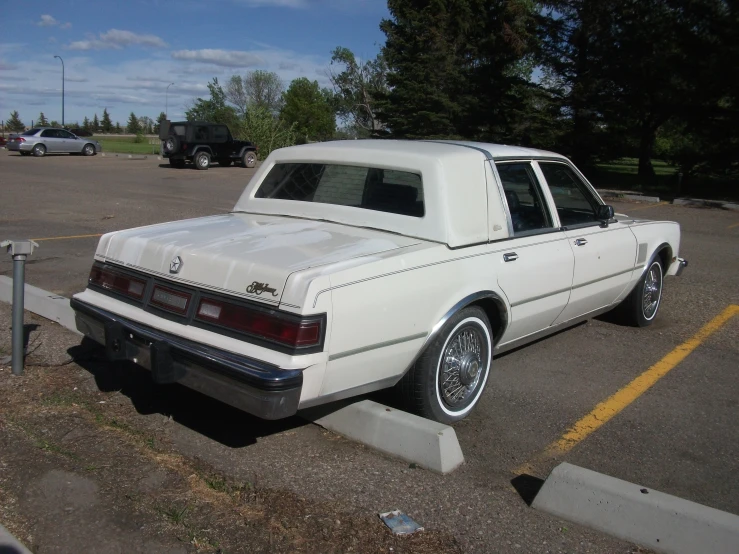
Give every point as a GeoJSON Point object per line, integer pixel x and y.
{"type": "Point", "coordinates": [30, 132]}
{"type": "Point", "coordinates": [370, 188]}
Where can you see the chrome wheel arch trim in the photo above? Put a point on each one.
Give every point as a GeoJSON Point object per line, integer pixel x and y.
{"type": "Point", "coordinates": [466, 301]}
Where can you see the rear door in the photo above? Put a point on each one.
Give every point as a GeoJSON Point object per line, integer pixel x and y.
{"type": "Point", "coordinates": [50, 139]}
{"type": "Point", "coordinates": [535, 266]}
{"type": "Point", "coordinates": [604, 254]}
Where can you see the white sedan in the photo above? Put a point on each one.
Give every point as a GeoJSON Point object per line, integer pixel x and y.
{"type": "Point", "coordinates": [348, 267]}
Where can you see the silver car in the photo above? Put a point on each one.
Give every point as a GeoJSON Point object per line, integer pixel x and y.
{"type": "Point", "coordinates": [42, 140]}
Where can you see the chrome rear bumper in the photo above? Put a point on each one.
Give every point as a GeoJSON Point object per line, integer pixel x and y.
{"type": "Point", "coordinates": [251, 385]}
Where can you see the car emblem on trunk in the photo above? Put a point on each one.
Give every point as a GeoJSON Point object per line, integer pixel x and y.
{"type": "Point", "coordinates": [175, 265]}
{"type": "Point", "coordinates": [258, 288]}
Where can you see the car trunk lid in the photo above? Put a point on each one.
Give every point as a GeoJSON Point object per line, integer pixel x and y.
{"type": "Point", "coordinates": [241, 254]}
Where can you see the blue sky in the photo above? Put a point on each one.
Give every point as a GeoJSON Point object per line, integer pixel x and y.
{"type": "Point", "coordinates": [122, 54]}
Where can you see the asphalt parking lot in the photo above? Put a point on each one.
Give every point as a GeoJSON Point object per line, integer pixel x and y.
{"type": "Point", "coordinates": [680, 436]}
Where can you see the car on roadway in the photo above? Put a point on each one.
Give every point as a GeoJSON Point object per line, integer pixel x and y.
{"type": "Point", "coordinates": [351, 266]}
{"type": "Point", "coordinates": [40, 141]}
{"type": "Point", "coordinates": [202, 143]}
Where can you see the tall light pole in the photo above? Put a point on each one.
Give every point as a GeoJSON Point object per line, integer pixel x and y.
{"type": "Point", "coordinates": [166, 100]}
{"type": "Point", "coordinates": [61, 60]}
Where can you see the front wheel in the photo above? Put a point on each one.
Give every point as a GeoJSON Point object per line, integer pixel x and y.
{"type": "Point", "coordinates": [202, 160]}
{"type": "Point", "coordinates": [88, 150]}
{"type": "Point", "coordinates": [640, 307]}
{"type": "Point", "coordinates": [447, 381]}
{"type": "Point", "coordinates": [249, 159]}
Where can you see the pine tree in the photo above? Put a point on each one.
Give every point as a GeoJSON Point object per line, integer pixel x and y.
{"type": "Point", "coordinates": [95, 124]}
{"type": "Point", "coordinates": [118, 129]}
{"type": "Point", "coordinates": [14, 124]}
{"type": "Point", "coordinates": [133, 126]}
{"type": "Point", "coordinates": [86, 124]}
{"type": "Point", "coordinates": [105, 122]}
{"type": "Point", "coordinates": [42, 121]}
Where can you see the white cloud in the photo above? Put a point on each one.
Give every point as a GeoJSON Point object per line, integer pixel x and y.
{"type": "Point", "coordinates": [117, 39]}
{"type": "Point", "coordinates": [225, 58]}
{"type": "Point", "coordinates": [47, 21]}
{"type": "Point", "coordinates": [5, 66]}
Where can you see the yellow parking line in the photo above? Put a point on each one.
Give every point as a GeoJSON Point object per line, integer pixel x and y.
{"type": "Point", "coordinates": [650, 206]}
{"type": "Point", "coordinates": [732, 226]}
{"type": "Point", "coordinates": [71, 237]}
{"type": "Point", "coordinates": [612, 406]}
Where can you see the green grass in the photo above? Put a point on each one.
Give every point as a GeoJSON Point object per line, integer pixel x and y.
{"type": "Point", "coordinates": [126, 145]}
{"type": "Point", "coordinates": [622, 174]}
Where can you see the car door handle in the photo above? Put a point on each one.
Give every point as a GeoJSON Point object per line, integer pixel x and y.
{"type": "Point", "coordinates": [510, 257]}
{"type": "Point", "coordinates": [580, 242]}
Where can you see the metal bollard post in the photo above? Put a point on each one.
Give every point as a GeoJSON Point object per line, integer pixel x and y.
{"type": "Point", "coordinates": [20, 250]}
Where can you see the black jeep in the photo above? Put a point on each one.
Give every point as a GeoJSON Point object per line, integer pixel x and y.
{"type": "Point", "coordinates": [203, 143]}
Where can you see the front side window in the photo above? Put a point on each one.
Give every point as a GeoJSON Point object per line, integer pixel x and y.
{"type": "Point", "coordinates": [65, 134]}
{"type": "Point", "coordinates": [524, 197]}
{"type": "Point", "coordinates": [370, 188]}
{"type": "Point", "coordinates": [575, 203]}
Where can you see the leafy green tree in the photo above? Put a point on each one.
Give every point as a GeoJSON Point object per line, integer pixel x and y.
{"type": "Point", "coordinates": [265, 130]}
{"type": "Point", "coordinates": [95, 124]}
{"type": "Point", "coordinates": [307, 107]}
{"type": "Point", "coordinates": [214, 109]}
{"type": "Point", "coordinates": [146, 124]}
{"type": "Point", "coordinates": [54, 123]}
{"type": "Point", "coordinates": [162, 117]}
{"type": "Point", "coordinates": [261, 89]}
{"type": "Point", "coordinates": [86, 124]}
{"type": "Point", "coordinates": [105, 123]}
{"type": "Point", "coordinates": [357, 85]}
{"type": "Point", "coordinates": [133, 126]}
{"type": "Point", "coordinates": [42, 121]}
{"type": "Point", "coordinates": [14, 123]}
{"type": "Point", "coordinates": [457, 67]}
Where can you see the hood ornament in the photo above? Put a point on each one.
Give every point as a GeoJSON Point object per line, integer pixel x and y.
{"type": "Point", "coordinates": [175, 265]}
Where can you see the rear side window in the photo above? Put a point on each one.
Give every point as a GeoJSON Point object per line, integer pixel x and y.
{"type": "Point", "coordinates": [177, 130]}
{"type": "Point", "coordinates": [524, 197]}
{"type": "Point", "coordinates": [370, 188]}
{"type": "Point", "coordinates": [50, 133]}
{"type": "Point", "coordinates": [220, 133]}
{"type": "Point", "coordinates": [30, 132]}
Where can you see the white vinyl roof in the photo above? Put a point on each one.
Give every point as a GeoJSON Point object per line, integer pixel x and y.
{"type": "Point", "coordinates": [454, 176]}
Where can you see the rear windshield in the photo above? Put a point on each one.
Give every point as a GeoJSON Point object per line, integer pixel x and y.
{"type": "Point", "coordinates": [371, 188]}
{"type": "Point", "coordinates": [30, 132]}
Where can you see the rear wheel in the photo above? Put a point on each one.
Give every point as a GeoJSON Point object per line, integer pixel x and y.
{"type": "Point", "coordinates": [447, 381]}
{"type": "Point", "coordinates": [88, 150]}
{"type": "Point", "coordinates": [249, 159]}
{"type": "Point", "coordinates": [202, 160]}
{"type": "Point", "coordinates": [39, 150]}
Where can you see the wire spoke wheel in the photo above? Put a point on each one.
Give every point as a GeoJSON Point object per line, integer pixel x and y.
{"type": "Point", "coordinates": [461, 367]}
{"type": "Point", "coordinates": [652, 291]}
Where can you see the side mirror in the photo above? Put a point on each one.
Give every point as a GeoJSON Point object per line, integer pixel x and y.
{"type": "Point", "coordinates": [605, 212]}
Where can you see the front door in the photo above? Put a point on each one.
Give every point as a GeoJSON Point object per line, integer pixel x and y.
{"type": "Point", "coordinates": [604, 255]}
{"type": "Point", "coordinates": [535, 266]}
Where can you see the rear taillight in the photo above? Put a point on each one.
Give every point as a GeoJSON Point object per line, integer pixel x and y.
{"type": "Point", "coordinates": [284, 329]}
{"type": "Point", "coordinates": [18, 139]}
{"type": "Point", "coordinates": [114, 281]}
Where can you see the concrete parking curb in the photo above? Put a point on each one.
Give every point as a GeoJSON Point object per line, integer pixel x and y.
{"type": "Point", "coordinates": [706, 203]}
{"type": "Point", "coordinates": [622, 194]}
{"type": "Point", "coordinates": [9, 544]}
{"type": "Point", "coordinates": [429, 444]}
{"type": "Point", "coordinates": [631, 512]}
{"type": "Point", "coordinates": [43, 303]}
